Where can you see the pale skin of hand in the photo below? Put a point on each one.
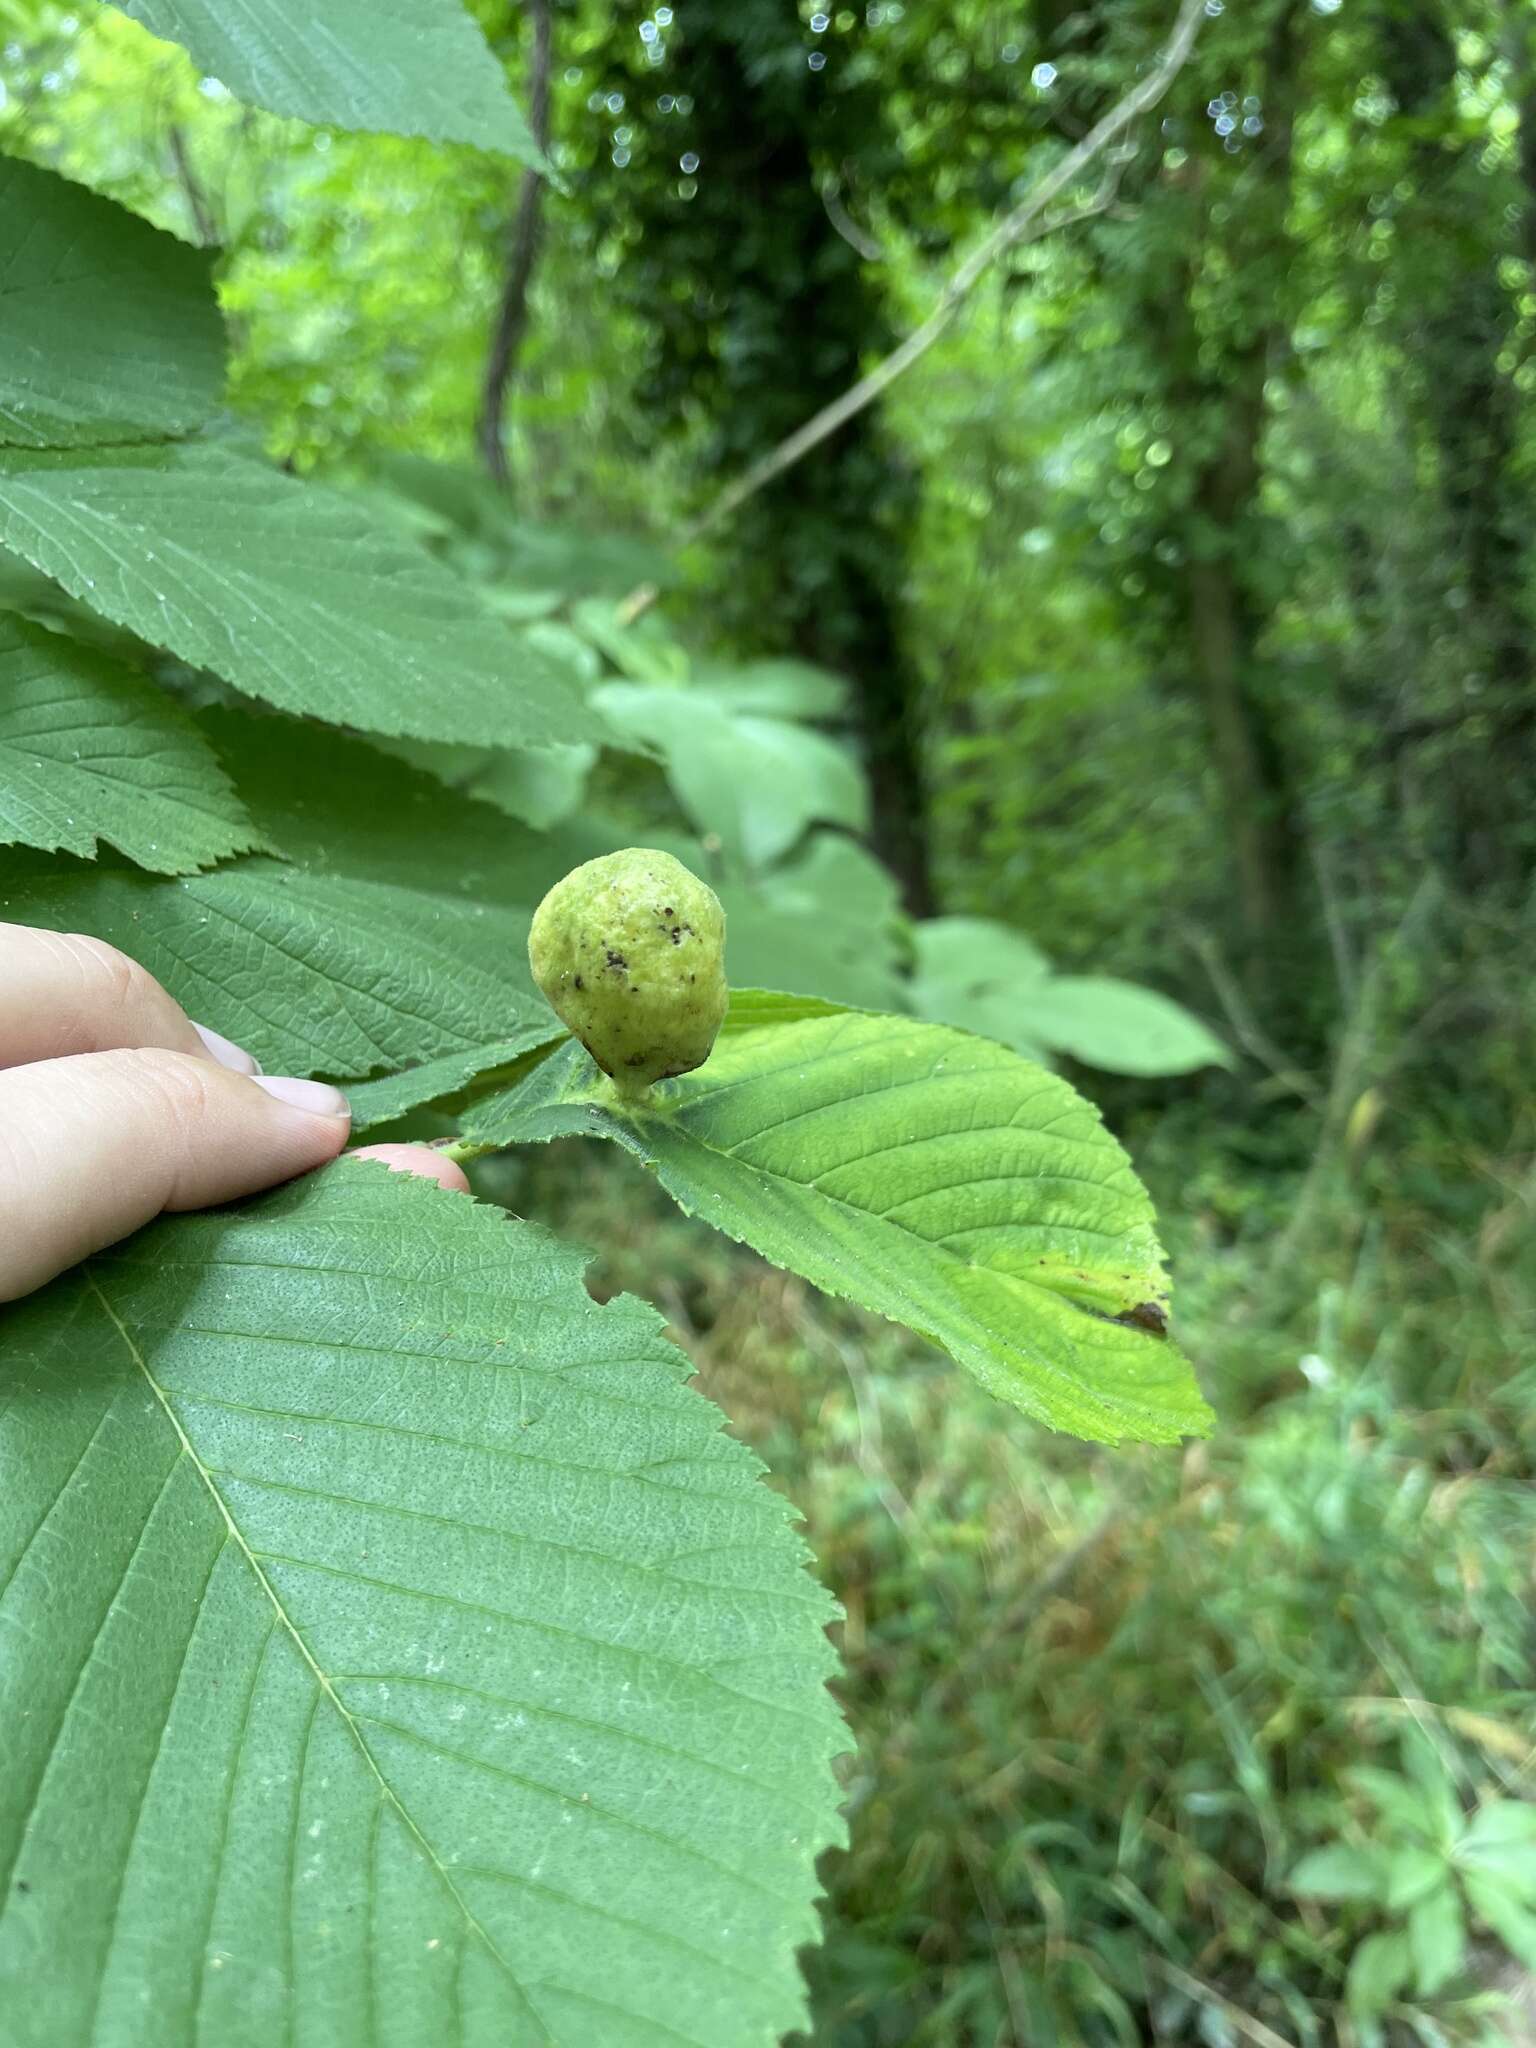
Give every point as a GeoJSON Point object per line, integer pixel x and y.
{"type": "Point", "coordinates": [115, 1107]}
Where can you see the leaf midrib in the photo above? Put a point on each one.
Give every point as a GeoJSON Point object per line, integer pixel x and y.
{"type": "Point", "coordinates": [286, 1622]}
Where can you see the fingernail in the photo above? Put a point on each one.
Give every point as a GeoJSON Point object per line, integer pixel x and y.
{"type": "Point", "coordinates": [226, 1052]}
{"type": "Point", "coordinates": [316, 1096]}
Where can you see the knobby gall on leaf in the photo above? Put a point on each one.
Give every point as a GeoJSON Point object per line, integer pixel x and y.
{"type": "Point", "coordinates": [630, 951]}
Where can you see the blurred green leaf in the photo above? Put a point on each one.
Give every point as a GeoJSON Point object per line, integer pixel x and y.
{"type": "Point", "coordinates": [1378, 1970]}
{"type": "Point", "coordinates": [972, 953]}
{"type": "Point", "coordinates": [983, 976]}
{"type": "Point", "coordinates": [1497, 1825]}
{"type": "Point", "coordinates": [1122, 1028]}
{"type": "Point", "coordinates": [1396, 1798]}
{"type": "Point", "coordinates": [822, 924]}
{"type": "Point", "coordinates": [1412, 1873]}
{"type": "Point", "coordinates": [1437, 1938]}
{"type": "Point", "coordinates": [394, 67]}
{"type": "Point", "coordinates": [1495, 1904]}
{"type": "Point", "coordinates": [111, 328]}
{"type": "Point", "coordinates": [1340, 1872]}
{"type": "Point", "coordinates": [754, 784]}
{"type": "Point", "coordinates": [774, 689]}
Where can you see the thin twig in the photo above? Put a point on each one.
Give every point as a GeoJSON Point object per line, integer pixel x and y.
{"type": "Point", "coordinates": [1250, 2028]}
{"type": "Point", "coordinates": [523, 250]}
{"type": "Point", "coordinates": [202, 215]}
{"type": "Point", "coordinates": [871, 1446]}
{"type": "Point", "coordinates": [1333, 920]}
{"type": "Point", "coordinates": [858, 239]}
{"type": "Point", "coordinates": [1246, 1028]}
{"type": "Point", "coordinates": [1028, 220]}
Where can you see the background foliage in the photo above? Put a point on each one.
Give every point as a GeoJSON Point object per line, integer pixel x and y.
{"type": "Point", "coordinates": [1176, 607]}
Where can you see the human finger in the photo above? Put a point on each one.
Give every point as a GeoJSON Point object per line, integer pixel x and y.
{"type": "Point", "coordinates": [93, 1145]}
{"type": "Point", "coordinates": [63, 993]}
{"type": "Point", "coordinates": [420, 1160]}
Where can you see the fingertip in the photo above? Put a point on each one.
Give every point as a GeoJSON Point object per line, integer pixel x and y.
{"type": "Point", "coordinates": [226, 1052]}
{"type": "Point", "coordinates": [419, 1160]}
{"type": "Point", "coordinates": [315, 1098]}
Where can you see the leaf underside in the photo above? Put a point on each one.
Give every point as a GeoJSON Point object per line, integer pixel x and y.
{"type": "Point", "coordinates": [392, 67]}
{"type": "Point", "coordinates": [935, 1178]}
{"type": "Point", "coordinates": [424, 1663]}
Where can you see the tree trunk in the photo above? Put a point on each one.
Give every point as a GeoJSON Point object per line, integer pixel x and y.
{"type": "Point", "coordinates": [522, 254]}
{"type": "Point", "coordinates": [1463, 323]}
{"type": "Point", "coordinates": [1225, 621]}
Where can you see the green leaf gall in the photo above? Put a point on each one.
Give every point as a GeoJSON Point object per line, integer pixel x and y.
{"type": "Point", "coordinates": [630, 952]}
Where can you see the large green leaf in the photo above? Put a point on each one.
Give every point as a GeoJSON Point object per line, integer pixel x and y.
{"type": "Point", "coordinates": [89, 750]}
{"type": "Point", "coordinates": [287, 590]}
{"type": "Point", "coordinates": [394, 1649]}
{"type": "Point", "coordinates": [110, 328]}
{"type": "Point", "coordinates": [337, 804]}
{"type": "Point", "coordinates": [935, 1178]}
{"type": "Point", "coordinates": [311, 973]}
{"type": "Point", "coordinates": [393, 67]}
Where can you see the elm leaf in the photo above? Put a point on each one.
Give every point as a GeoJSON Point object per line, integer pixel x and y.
{"type": "Point", "coordinates": [395, 1648]}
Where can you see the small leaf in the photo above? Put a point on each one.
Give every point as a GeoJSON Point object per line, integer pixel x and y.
{"type": "Point", "coordinates": [775, 688]}
{"type": "Point", "coordinates": [823, 924]}
{"type": "Point", "coordinates": [112, 332]}
{"type": "Point", "coordinates": [1437, 1938]}
{"type": "Point", "coordinates": [977, 953]}
{"type": "Point", "coordinates": [1339, 1872]}
{"type": "Point", "coordinates": [753, 783]}
{"type": "Point", "coordinates": [934, 1178]}
{"type": "Point", "coordinates": [391, 67]}
{"type": "Point", "coordinates": [1378, 1970]}
{"type": "Point", "coordinates": [1398, 1799]}
{"type": "Point", "coordinates": [1500, 1824]}
{"type": "Point", "coordinates": [312, 974]}
{"type": "Point", "coordinates": [90, 751]}
{"type": "Point", "coordinates": [1120, 1027]}
{"type": "Point", "coordinates": [284, 589]}
{"type": "Point", "coordinates": [395, 1649]}
{"type": "Point", "coordinates": [499, 1064]}
{"type": "Point", "coordinates": [1412, 1873]}
{"type": "Point", "coordinates": [1495, 1904]}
